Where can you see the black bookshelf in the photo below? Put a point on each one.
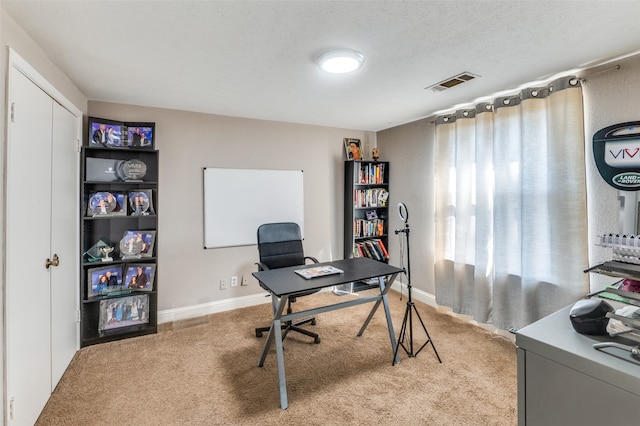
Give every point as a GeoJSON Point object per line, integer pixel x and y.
{"type": "Point", "coordinates": [366, 212]}
{"type": "Point", "coordinates": [97, 176]}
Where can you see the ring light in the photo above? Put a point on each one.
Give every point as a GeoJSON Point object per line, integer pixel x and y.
{"type": "Point", "coordinates": [403, 212]}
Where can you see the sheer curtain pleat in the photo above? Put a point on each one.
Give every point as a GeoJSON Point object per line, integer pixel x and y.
{"type": "Point", "coordinates": [511, 226]}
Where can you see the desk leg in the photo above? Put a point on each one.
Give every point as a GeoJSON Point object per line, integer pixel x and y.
{"type": "Point", "coordinates": [284, 403]}
{"type": "Point", "coordinates": [276, 333]}
{"type": "Point", "coordinates": [383, 298]}
{"type": "Point", "coordinates": [366, 322]}
{"type": "Point", "coordinates": [278, 308]}
{"type": "Point", "coordinates": [392, 334]}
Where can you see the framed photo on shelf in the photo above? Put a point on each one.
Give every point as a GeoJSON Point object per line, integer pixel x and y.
{"type": "Point", "coordinates": [123, 312]}
{"type": "Point", "coordinates": [139, 276]}
{"type": "Point", "coordinates": [140, 135]}
{"type": "Point", "coordinates": [141, 202]}
{"type": "Point", "coordinates": [104, 280]}
{"type": "Point", "coordinates": [117, 134]}
{"type": "Point", "coordinates": [105, 133]}
{"type": "Point", "coordinates": [353, 148]}
{"type": "Point", "coordinates": [137, 244]}
{"type": "Point", "coordinates": [104, 203]}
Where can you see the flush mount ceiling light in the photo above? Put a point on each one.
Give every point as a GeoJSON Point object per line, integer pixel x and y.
{"type": "Point", "coordinates": [340, 61]}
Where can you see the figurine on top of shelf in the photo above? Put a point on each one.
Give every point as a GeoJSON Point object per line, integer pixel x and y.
{"type": "Point", "coordinates": [375, 154]}
{"type": "Point", "coordinates": [353, 149]}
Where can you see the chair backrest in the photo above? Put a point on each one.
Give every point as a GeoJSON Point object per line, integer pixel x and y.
{"type": "Point", "coordinates": [280, 245]}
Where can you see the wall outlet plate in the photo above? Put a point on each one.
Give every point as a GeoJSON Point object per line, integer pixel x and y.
{"type": "Point", "coordinates": [234, 281]}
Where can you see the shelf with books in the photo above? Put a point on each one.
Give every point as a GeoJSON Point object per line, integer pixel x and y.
{"type": "Point", "coordinates": [374, 249]}
{"type": "Point", "coordinates": [366, 212]}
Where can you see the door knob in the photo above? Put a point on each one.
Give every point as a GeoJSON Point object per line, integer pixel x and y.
{"type": "Point", "coordinates": [54, 262]}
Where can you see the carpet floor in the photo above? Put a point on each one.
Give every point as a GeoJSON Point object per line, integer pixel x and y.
{"type": "Point", "coordinates": [204, 372]}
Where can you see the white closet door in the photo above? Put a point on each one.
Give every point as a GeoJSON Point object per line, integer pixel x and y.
{"type": "Point", "coordinates": [28, 294]}
{"type": "Point", "coordinates": [64, 241]}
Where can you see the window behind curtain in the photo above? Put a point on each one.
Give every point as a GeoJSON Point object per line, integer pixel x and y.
{"type": "Point", "coordinates": [511, 225]}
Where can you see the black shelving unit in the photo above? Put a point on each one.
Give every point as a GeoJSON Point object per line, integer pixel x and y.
{"type": "Point", "coordinates": [111, 229]}
{"type": "Point", "coordinates": [366, 212]}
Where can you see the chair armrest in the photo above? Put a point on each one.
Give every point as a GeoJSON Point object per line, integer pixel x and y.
{"type": "Point", "coordinates": [313, 259]}
{"type": "Point", "coordinates": [262, 266]}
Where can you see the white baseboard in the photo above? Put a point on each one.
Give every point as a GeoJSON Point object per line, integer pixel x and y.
{"type": "Point", "coordinates": [430, 299]}
{"type": "Point", "coordinates": [195, 311]}
{"type": "Point", "coordinates": [416, 294]}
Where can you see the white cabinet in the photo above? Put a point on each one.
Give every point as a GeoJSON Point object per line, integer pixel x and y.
{"type": "Point", "coordinates": [41, 246]}
{"type": "Point", "coordinates": [563, 380]}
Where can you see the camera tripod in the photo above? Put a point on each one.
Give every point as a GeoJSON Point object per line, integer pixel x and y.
{"type": "Point", "coordinates": [407, 322]}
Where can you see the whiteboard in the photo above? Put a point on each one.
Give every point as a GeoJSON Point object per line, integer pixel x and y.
{"type": "Point", "coordinates": [238, 201]}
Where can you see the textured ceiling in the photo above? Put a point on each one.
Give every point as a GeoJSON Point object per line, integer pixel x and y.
{"type": "Point", "coordinates": [255, 58]}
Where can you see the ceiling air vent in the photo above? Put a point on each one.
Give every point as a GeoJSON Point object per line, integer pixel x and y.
{"type": "Point", "coordinates": [451, 82]}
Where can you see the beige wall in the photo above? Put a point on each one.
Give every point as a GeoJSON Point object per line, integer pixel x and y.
{"type": "Point", "coordinates": [190, 275]}
{"type": "Point", "coordinates": [409, 148]}
{"type": "Point", "coordinates": [609, 97]}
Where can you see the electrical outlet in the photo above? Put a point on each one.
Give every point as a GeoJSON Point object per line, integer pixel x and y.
{"type": "Point", "coordinates": [223, 284]}
{"type": "Point", "coordinates": [244, 280]}
{"type": "Point", "coordinates": [234, 281]}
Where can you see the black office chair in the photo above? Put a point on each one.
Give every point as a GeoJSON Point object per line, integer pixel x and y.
{"type": "Point", "coordinates": [279, 246]}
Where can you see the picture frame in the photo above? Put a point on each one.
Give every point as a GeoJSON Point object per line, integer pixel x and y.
{"type": "Point", "coordinates": [371, 214]}
{"type": "Point", "coordinates": [141, 202]}
{"type": "Point", "coordinates": [136, 244]}
{"type": "Point", "coordinates": [353, 149]}
{"type": "Point", "coordinates": [105, 133]}
{"type": "Point", "coordinates": [123, 312]}
{"type": "Point", "coordinates": [139, 276]}
{"type": "Point", "coordinates": [105, 203]}
{"type": "Point", "coordinates": [140, 135]}
{"type": "Point", "coordinates": [104, 280]}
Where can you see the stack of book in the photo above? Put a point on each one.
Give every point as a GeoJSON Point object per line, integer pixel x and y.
{"type": "Point", "coordinates": [375, 197]}
{"type": "Point", "coordinates": [368, 228]}
{"type": "Point", "coordinates": [371, 174]}
{"type": "Point", "coordinates": [373, 249]}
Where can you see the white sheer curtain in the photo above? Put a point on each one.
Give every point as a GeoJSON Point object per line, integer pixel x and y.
{"type": "Point", "coordinates": [511, 225]}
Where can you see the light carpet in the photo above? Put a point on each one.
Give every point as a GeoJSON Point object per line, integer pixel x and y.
{"type": "Point", "coordinates": [204, 372]}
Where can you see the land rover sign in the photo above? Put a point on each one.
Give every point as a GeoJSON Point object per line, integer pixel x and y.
{"type": "Point", "coordinates": [616, 150]}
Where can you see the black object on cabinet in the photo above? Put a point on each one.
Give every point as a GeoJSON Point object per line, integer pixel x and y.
{"type": "Point", "coordinates": [366, 212]}
{"type": "Point", "coordinates": [119, 198]}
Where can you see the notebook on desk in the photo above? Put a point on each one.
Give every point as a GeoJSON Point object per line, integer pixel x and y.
{"type": "Point", "coordinates": [318, 271]}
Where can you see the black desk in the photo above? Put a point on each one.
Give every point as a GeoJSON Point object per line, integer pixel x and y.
{"type": "Point", "coordinates": [284, 283]}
